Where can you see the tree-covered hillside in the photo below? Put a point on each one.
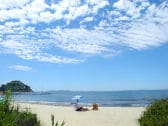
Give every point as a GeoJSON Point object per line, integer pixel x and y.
{"type": "Point", "coordinates": [15, 86]}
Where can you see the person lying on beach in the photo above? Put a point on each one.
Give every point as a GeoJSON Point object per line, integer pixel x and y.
{"type": "Point", "coordinates": [79, 108]}
{"type": "Point", "coordinates": [82, 109]}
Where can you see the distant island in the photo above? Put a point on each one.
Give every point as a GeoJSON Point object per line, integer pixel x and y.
{"type": "Point", "coordinates": [15, 86]}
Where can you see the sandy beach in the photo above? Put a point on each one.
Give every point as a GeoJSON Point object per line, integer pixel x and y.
{"type": "Point", "coordinates": [105, 116]}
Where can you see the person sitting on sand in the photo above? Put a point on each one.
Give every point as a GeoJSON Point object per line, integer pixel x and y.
{"type": "Point", "coordinates": [95, 106]}
{"type": "Point", "coordinates": [79, 108]}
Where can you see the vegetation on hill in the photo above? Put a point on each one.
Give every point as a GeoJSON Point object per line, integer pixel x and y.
{"type": "Point", "coordinates": [15, 86]}
{"type": "Point", "coordinates": [156, 114]}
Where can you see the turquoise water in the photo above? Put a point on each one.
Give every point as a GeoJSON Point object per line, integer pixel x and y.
{"type": "Point", "coordinates": [103, 98]}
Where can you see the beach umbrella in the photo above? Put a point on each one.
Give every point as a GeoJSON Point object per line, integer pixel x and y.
{"type": "Point", "coordinates": [77, 97]}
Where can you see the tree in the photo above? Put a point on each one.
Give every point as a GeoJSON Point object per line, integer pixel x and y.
{"type": "Point", "coordinates": [2, 88]}
{"type": "Point", "coordinates": [15, 86]}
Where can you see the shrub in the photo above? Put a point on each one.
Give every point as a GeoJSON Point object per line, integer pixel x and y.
{"type": "Point", "coordinates": [155, 114]}
{"type": "Point", "coordinates": [56, 124]}
{"type": "Point", "coordinates": [11, 116]}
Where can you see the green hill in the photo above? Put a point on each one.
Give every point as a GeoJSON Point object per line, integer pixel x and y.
{"type": "Point", "coordinates": [15, 86]}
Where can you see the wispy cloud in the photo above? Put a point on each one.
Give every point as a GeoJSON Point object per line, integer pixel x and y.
{"type": "Point", "coordinates": [20, 68]}
{"type": "Point", "coordinates": [70, 31]}
{"type": "Point", "coordinates": [87, 19]}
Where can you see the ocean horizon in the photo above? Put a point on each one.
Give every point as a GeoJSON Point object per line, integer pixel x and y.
{"type": "Point", "coordinates": [125, 98]}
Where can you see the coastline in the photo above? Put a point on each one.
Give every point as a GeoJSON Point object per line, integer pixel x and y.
{"type": "Point", "coordinates": [68, 104]}
{"type": "Point", "coordinates": [105, 116]}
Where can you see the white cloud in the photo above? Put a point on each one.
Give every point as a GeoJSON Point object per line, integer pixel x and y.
{"type": "Point", "coordinates": [162, 10]}
{"type": "Point", "coordinates": [142, 36]}
{"type": "Point", "coordinates": [5, 4]}
{"type": "Point", "coordinates": [120, 4]}
{"type": "Point", "coordinates": [81, 40]}
{"type": "Point", "coordinates": [114, 13]}
{"type": "Point", "coordinates": [73, 9]}
{"type": "Point", "coordinates": [122, 18]}
{"type": "Point", "coordinates": [95, 2]}
{"type": "Point", "coordinates": [145, 4]}
{"type": "Point", "coordinates": [87, 19]}
{"type": "Point", "coordinates": [14, 13]}
{"type": "Point", "coordinates": [34, 9]}
{"type": "Point", "coordinates": [46, 17]}
{"type": "Point", "coordinates": [79, 11]}
{"type": "Point", "coordinates": [128, 6]}
{"type": "Point", "coordinates": [152, 9]}
{"type": "Point", "coordinates": [20, 68]}
{"type": "Point", "coordinates": [105, 32]}
{"type": "Point", "coordinates": [100, 5]}
{"type": "Point", "coordinates": [33, 51]}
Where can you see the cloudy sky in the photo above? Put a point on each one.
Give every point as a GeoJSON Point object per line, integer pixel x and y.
{"type": "Point", "coordinates": [85, 44]}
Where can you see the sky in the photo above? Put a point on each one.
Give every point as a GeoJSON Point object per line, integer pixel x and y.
{"type": "Point", "coordinates": [84, 44]}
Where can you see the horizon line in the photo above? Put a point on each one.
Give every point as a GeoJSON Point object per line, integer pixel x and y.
{"type": "Point", "coordinates": [100, 90]}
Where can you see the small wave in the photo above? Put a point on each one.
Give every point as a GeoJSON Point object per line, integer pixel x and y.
{"type": "Point", "coordinates": [41, 93]}
{"type": "Point", "coordinates": [138, 105]}
{"type": "Point", "coordinates": [47, 103]}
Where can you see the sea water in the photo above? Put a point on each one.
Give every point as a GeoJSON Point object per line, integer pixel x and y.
{"type": "Point", "coordinates": [102, 98]}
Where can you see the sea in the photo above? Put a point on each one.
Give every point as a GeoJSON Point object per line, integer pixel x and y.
{"type": "Point", "coordinates": [132, 98]}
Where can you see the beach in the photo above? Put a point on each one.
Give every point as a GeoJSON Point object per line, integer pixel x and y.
{"type": "Point", "coordinates": [105, 116]}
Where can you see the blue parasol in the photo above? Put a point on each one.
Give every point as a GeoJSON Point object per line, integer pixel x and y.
{"type": "Point", "coordinates": [77, 97]}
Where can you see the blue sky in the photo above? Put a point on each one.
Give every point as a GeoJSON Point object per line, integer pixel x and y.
{"type": "Point", "coordinates": [85, 44]}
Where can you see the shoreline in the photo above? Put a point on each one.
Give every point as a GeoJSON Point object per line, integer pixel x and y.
{"type": "Point", "coordinates": [70, 104]}
{"type": "Point", "coordinates": [105, 116]}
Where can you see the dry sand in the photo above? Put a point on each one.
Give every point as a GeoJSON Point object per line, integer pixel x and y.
{"type": "Point", "coordinates": [105, 116]}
